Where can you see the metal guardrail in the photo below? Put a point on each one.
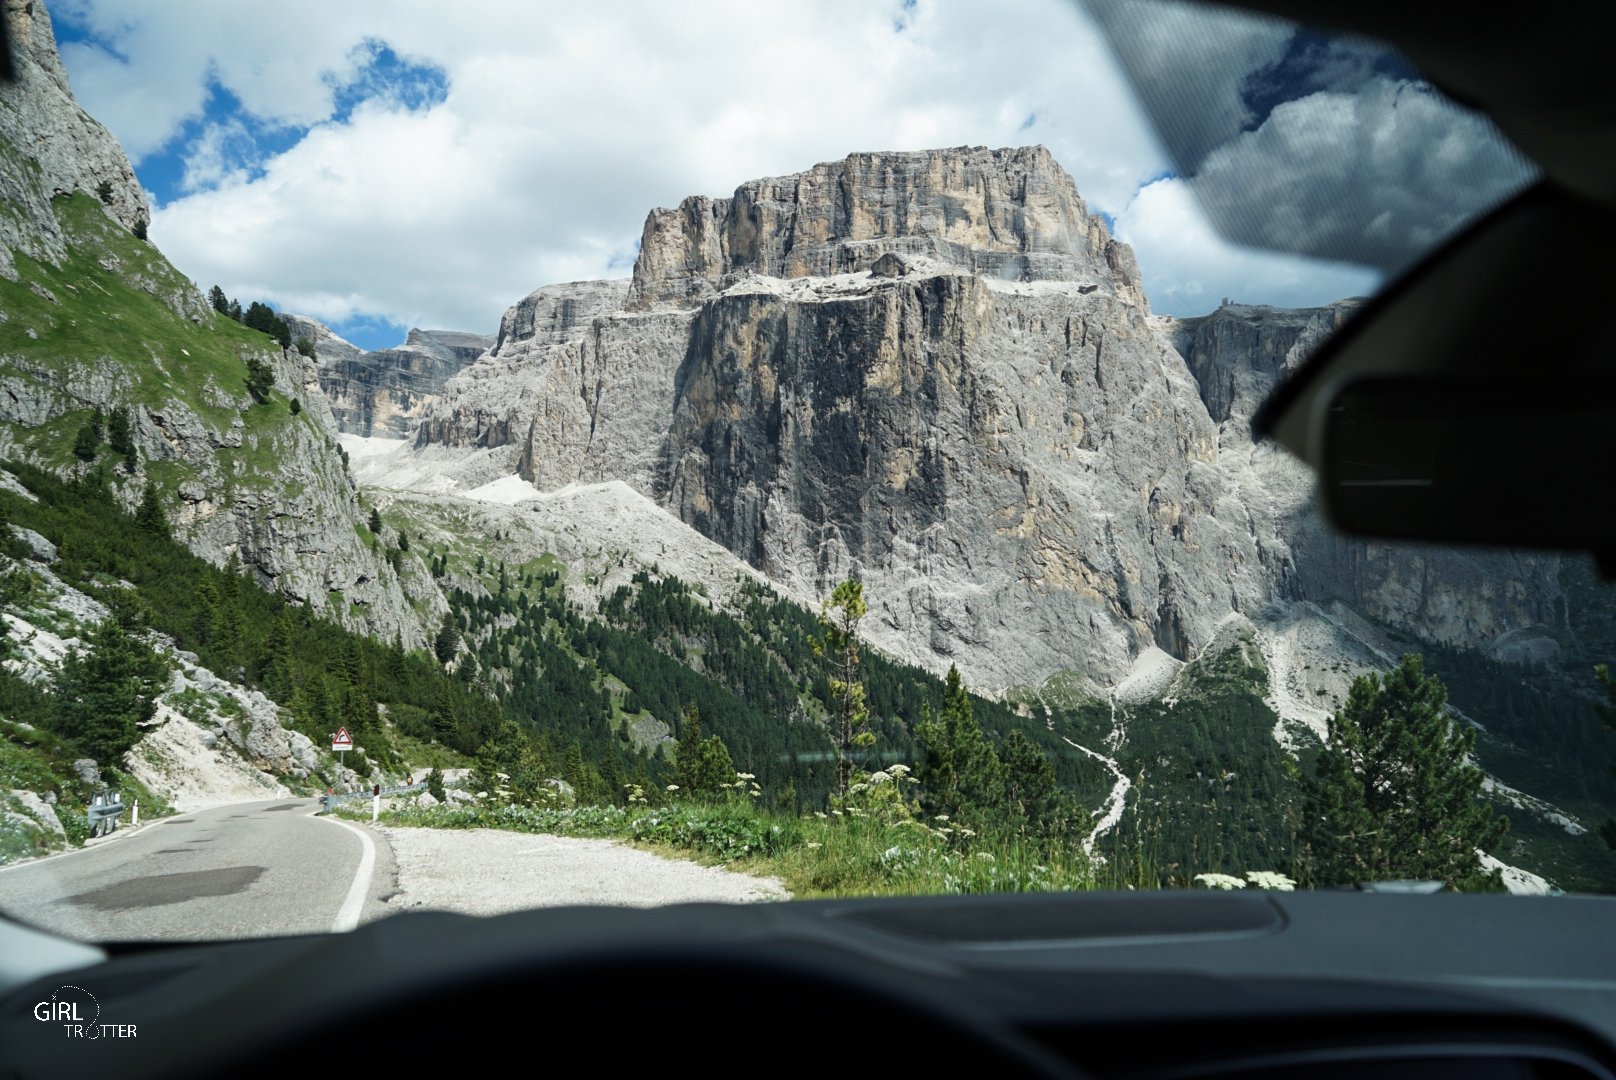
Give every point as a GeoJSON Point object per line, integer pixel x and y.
{"type": "Point", "coordinates": [103, 812]}
{"type": "Point", "coordinates": [328, 801]}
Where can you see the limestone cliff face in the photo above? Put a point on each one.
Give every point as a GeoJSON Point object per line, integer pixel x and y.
{"type": "Point", "coordinates": [934, 371]}
{"type": "Point", "coordinates": [1012, 214]}
{"type": "Point", "coordinates": [1239, 352]}
{"type": "Point", "coordinates": [385, 392]}
{"type": "Point", "coordinates": [50, 145]}
{"type": "Point", "coordinates": [1022, 474]}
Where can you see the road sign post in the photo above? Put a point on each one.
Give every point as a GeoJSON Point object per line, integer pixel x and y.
{"type": "Point", "coordinates": [341, 742]}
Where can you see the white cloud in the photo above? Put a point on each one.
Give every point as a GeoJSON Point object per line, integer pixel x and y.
{"type": "Point", "coordinates": [1379, 175]}
{"type": "Point", "coordinates": [563, 125]}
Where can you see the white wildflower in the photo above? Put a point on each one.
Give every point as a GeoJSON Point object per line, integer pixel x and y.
{"type": "Point", "coordinates": [898, 770]}
{"type": "Point", "coordinates": [1269, 879]}
{"type": "Point", "coordinates": [880, 777]}
{"type": "Point", "coordinates": [1220, 881]}
{"type": "Point", "coordinates": [673, 787]}
{"type": "Point", "coordinates": [985, 856]}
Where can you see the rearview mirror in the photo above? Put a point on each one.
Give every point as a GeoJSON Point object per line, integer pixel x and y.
{"type": "Point", "coordinates": [1490, 462]}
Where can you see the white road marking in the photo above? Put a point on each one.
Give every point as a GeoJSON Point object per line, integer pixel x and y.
{"type": "Point", "coordinates": [348, 915]}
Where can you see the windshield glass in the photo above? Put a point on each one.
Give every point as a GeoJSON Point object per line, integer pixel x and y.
{"type": "Point", "coordinates": [633, 457]}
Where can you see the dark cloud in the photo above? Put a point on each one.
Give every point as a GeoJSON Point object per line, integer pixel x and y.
{"type": "Point", "coordinates": [1303, 142]}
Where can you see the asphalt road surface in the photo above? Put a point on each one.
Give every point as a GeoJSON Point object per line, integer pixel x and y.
{"type": "Point", "coordinates": [246, 870]}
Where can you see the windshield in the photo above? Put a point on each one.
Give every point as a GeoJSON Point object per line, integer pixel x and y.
{"type": "Point", "coordinates": [636, 457]}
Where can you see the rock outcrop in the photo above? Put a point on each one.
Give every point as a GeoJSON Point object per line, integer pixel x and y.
{"type": "Point", "coordinates": [384, 392]}
{"type": "Point", "coordinates": [996, 440]}
{"type": "Point", "coordinates": [1008, 214]}
{"type": "Point", "coordinates": [99, 319]}
{"type": "Point", "coordinates": [49, 145]}
{"type": "Point", "coordinates": [935, 371]}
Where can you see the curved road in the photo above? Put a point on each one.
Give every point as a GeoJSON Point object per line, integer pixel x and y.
{"type": "Point", "coordinates": [244, 870]}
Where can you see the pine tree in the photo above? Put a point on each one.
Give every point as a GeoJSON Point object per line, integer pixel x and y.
{"type": "Point", "coordinates": [217, 298]}
{"type": "Point", "coordinates": [260, 379]}
{"type": "Point", "coordinates": [375, 521]}
{"type": "Point", "coordinates": [279, 680]}
{"type": "Point", "coordinates": [687, 752]}
{"type": "Point", "coordinates": [573, 771]}
{"type": "Point", "coordinates": [447, 641]}
{"type": "Point", "coordinates": [958, 770]}
{"type": "Point", "coordinates": [1393, 794]}
{"type": "Point", "coordinates": [104, 695]}
{"type": "Point", "coordinates": [121, 437]}
{"type": "Point", "coordinates": [1031, 792]}
{"type": "Point", "coordinates": [259, 316]}
{"type": "Point", "coordinates": [87, 442]}
{"type": "Point", "coordinates": [704, 765]}
{"type": "Point", "coordinates": [839, 620]}
{"type": "Point", "coordinates": [149, 514]}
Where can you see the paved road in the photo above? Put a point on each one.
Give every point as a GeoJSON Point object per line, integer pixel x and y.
{"type": "Point", "coordinates": [245, 870]}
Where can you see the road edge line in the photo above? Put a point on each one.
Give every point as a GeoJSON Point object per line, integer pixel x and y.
{"type": "Point", "coordinates": [354, 903]}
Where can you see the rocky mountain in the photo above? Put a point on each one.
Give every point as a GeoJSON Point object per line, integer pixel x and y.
{"type": "Point", "coordinates": [935, 370]}
{"type": "Point", "coordinates": [94, 318]}
{"type": "Point", "coordinates": [383, 392]}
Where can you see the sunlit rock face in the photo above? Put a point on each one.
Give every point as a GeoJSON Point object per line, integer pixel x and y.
{"type": "Point", "coordinates": [385, 392]}
{"type": "Point", "coordinates": [987, 429]}
{"type": "Point", "coordinates": [936, 372]}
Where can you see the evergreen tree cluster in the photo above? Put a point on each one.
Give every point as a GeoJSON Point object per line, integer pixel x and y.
{"type": "Point", "coordinates": [115, 430]}
{"type": "Point", "coordinates": [327, 676]}
{"type": "Point", "coordinates": [1008, 786]}
{"type": "Point", "coordinates": [1393, 793]}
{"type": "Point", "coordinates": [258, 316]}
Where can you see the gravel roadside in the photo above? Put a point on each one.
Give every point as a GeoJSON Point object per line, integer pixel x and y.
{"type": "Point", "coordinates": [490, 872]}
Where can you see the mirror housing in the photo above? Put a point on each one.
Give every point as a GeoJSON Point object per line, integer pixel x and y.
{"type": "Point", "coordinates": [1518, 463]}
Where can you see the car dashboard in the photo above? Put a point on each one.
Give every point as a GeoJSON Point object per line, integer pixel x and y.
{"type": "Point", "coordinates": [1241, 984]}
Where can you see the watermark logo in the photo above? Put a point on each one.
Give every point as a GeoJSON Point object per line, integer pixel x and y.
{"type": "Point", "coordinates": [79, 1014]}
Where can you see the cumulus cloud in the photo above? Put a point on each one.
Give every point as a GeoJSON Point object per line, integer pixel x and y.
{"type": "Point", "coordinates": [541, 138]}
{"type": "Point", "coordinates": [1317, 145]}
{"type": "Point", "coordinates": [384, 160]}
{"type": "Point", "coordinates": [1378, 176]}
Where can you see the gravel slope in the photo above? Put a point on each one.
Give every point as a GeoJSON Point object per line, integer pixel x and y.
{"type": "Point", "coordinates": [489, 872]}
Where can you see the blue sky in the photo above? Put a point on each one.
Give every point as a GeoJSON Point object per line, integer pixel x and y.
{"type": "Point", "coordinates": [379, 165]}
